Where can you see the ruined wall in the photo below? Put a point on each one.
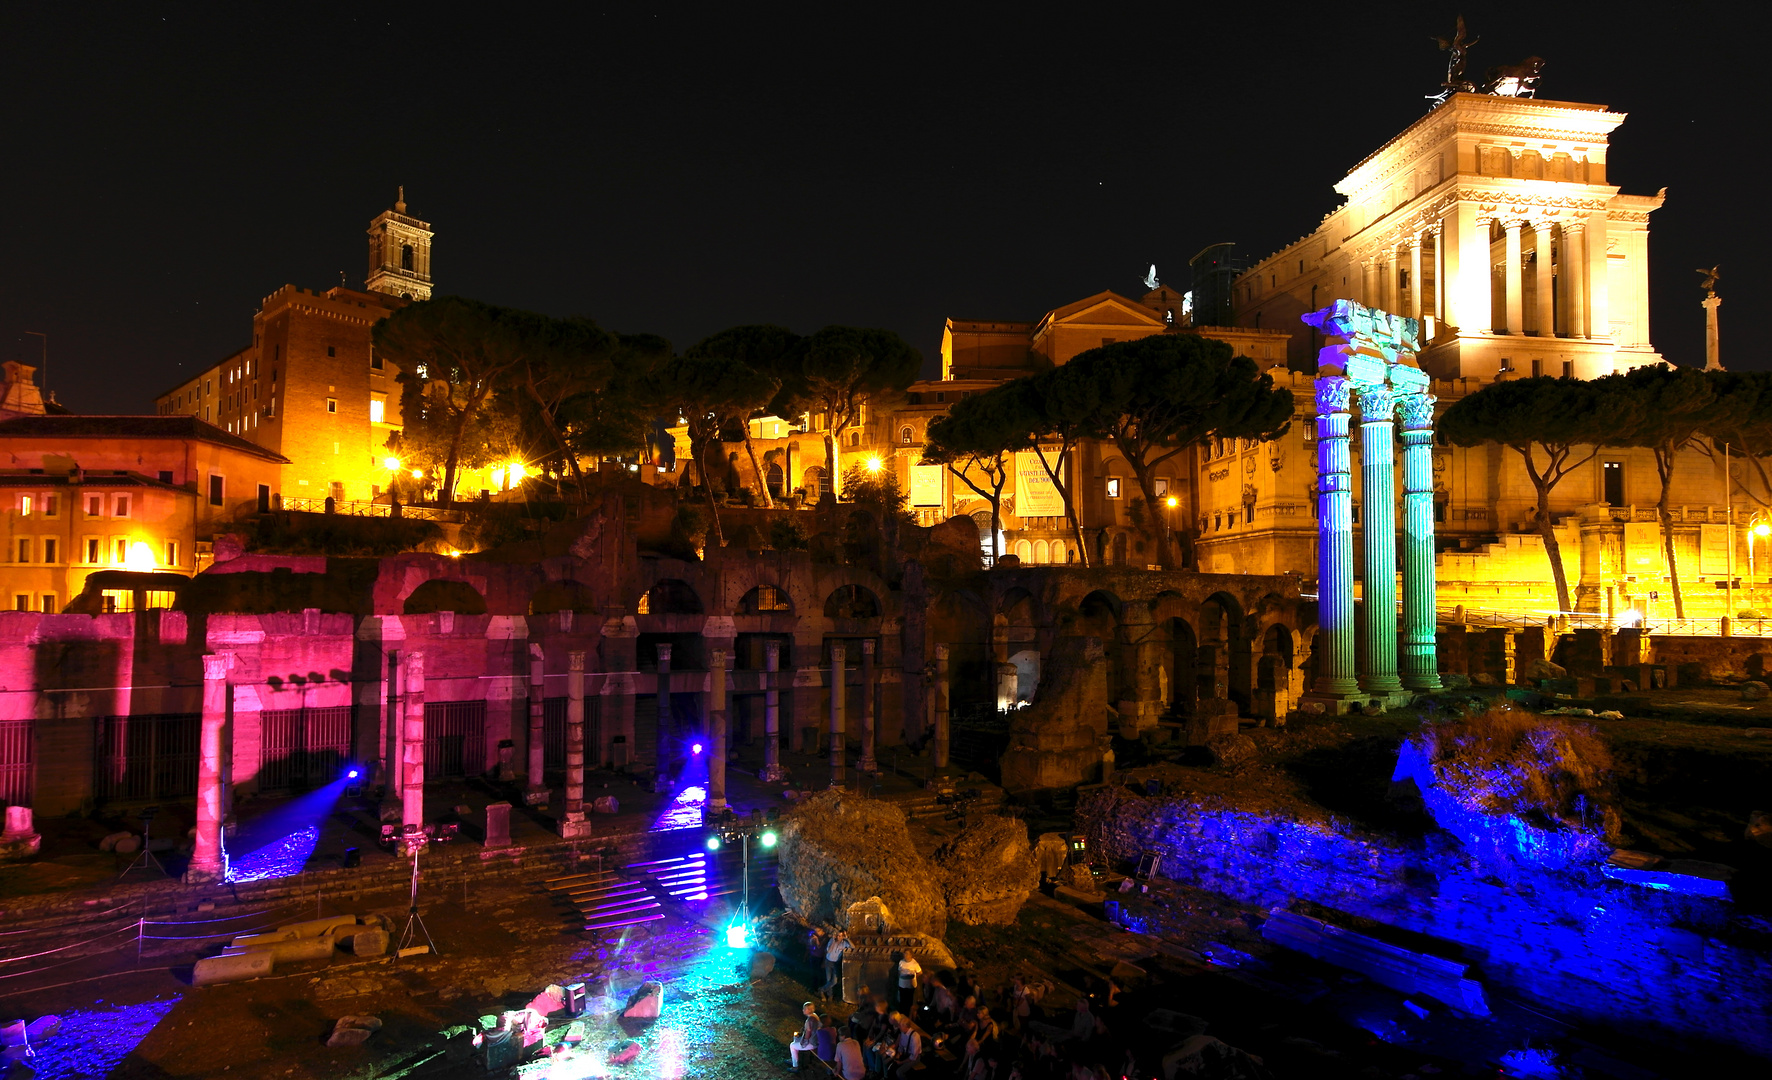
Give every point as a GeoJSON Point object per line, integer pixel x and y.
{"type": "Point", "coordinates": [1605, 951]}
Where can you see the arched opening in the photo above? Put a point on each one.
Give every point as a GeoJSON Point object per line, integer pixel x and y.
{"type": "Point", "coordinates": [905, 436]}
{"type": "Point", "coordinates": [776, 478]}
{"type": "Point", "coordinates": [1120, 543]}
{"type": "Point", "coordinates": [1042, 551]}
{"type": "Point", "coordinates": [1098, 616]}
{"type": "Point", "coordinates": [1018, 642]}
{"type": "Point", "coordinates": [1273, 672]}
{"type": "Point", "coordinates": [813, 480]}
{"type": "Point", "coordinates": [1224, 668]}
{"type": "Point", "coordinates": [406, 256]}
{"type": "Point", "coordinates": [765, 600]}
{"type": "Point", "coordinates": [1024, 551]}
{"type": "Point", "coordinates": [440, 594]}
{"type": "Point", "coordinates": [670, 597]}
{"type": "Point", "coordinates": [562, 596]}
{"type": "Point", "coordinates": [852, 602]}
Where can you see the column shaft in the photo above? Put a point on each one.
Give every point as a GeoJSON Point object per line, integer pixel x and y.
{"type": "Point", "coordinates": [1468, 264]}
{"type": "Point", "coordinates": [1421, 666]}
{"type": "Point", "coordinates": [1335, 541]}
{"type": "Point", "coordinates": [575, 733]}
{"type": "Point", "coordinates": [867, 764]}
{"type": "Point", "coordinates": [941, 707]}
{"type": "Point", "coordinates": [717, 732]}
{"type": "Point", "coordinates": [537, 792]}
{"type": "Point", "coordinates": [1599, 317]}
{"type": "Point", "coordinates": [837, 733]}
{"type": "Point", "coordinates": [1439, 234]}
{"type": "Point", "coordinates": [1392, 301]}
{"type": "Point", "coordinates": [206, 855]}
{"type": "Point", "coordinates": [1378, 530]}
{"type": "Point", "coordinates": [1545, 322]}
{"type": "Point", "coordinates": [412, 752]}
{"type": "Point", "coordinates": [1575, 268]}
{"type": "Point", "coordinates": [1516, 308]}
{"type": "Point", "coordinates": [662, 746]}
{"type": "Point", "coordinates": [1415, 305]}
{"type": "Point", "coordinates": [771, 711]}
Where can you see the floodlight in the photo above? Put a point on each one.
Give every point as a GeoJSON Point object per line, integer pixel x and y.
{"type": "Point", "coordinates": [713, 843]}
{"type": "Point", "coordinates": [768, 838]}
{"type": "Point", "coordinates": [736, 936]}
{"type": "Point", "coordinates": [695, 748]}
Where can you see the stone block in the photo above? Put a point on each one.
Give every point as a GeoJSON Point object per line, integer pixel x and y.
{"type": "Point", "coordinates": [370, 943]}
{"type": "Point", "coordinates": [762, 964]}
{"type": "Point", "coordinates": [836, 850]}
{"type": "Point", "coordinates": [607, 804]}
{"type": "Point", "coordinates": [292, 950]}
{"type": "Point", "coordinates": [1232, 750]}
{"type": "Point", "coordinates": [498, 825]}
{"type": "Point", "coordinates": [575, 827]}
{"type": "Point", "coordinates": [232, 967]}
{"type": "Point", "coordinates": [1212, 718]}
{"type": "Point", "coordinates": [987, 871]}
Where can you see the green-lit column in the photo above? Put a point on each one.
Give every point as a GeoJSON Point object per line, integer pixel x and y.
{"type": "Point", "coordinates": [1421, 664]}
{"type": "Point", "coordinates": [1335, 541]}
{"type": "Point", "coordinates": [1378, 530]}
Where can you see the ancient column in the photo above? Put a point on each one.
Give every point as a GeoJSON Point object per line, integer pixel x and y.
{"type": "Point", "coordinates": [867, 764]}
{"type": "Point", "coordinates": [391, 771]}
{"type": "Point", "coordinates": [206, 856]}
{"type": "Point", "coordinates": [575, 736]}
{"type": "Point", "coordinates": [536, 794]}
{"type": "Point", "coordinates": [1421, 666]}
{"type": "Point", "coordinates": [941, 707]}
{"type": "Point", "coordinates": [1335, 541]}
{"type": "Point", "coordinates": [1391, 300]}
{"type": "Point", "coordinates": [1439, 235]}
{"type": "Point", "coordinates": [771, 712]}
{"type": "Point", "coordinates": [1415, 304]}
{"type": "Point", "coordinates": [1544, 286]}
{"type": "Point", "coordinates": [1712, 358]}
{"type": "Point", "coordinates": [1514, 277]}
{"type": "Point", "coordinates": [1378, 530]}
{"type": "Point", "coordinates": [662, 747]}
{"type": "Point", "coordinates": [1599, 315]}
{"type": "Point", "coordinates": [412, 752]}
{"type": "Point", "coordinates": [837, 734]}
{"type": "Point", "coordinates": [1467, 261]}
{"type": "Point", "coordinates": [717, 732]}
{"type": "Point", "coordinates": [1575, 269]}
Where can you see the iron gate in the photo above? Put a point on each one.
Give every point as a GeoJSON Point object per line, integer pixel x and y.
{"type": "Point", "coordinates": [147, 757]}
{"type": "Point", "coordinates": [455, 739]}
{"type": "Point", "coordinates": [302, 749]}
{"type": "Point", "coordinates": [15, 762]}
{"type": "Point", "coordinates": [553, 733]}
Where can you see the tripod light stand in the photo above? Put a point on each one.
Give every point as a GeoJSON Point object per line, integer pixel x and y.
{"type": "Point", "coordinates": [415, 923]}
{"type": "Point", "coordinates": [146, 858]}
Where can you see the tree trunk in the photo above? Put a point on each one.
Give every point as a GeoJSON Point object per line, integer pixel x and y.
{"type": "Point", "coordinates": [1551, 547]}
{"type": "Point", "coordinates": [994, 497]}
{"type": "Point", "coordinates": [832, 440]}
{"type": "Point", "coordinates": [762, 480]}
{"type": "Point", "coordinates": [559, 438]}
{"type": "Point", "coordinates": [447, 496]}
{"type": "Point", "coordinates": [707, 484]}
{"type": "Point", "coordinates": [1070, 504]}
{"type": "Point", "coordinates": [1154, 529]}
{"type": "Point", "coordinates": [1664, 464]}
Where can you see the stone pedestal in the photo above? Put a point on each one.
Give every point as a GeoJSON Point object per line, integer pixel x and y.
{"type": "Point", "coordinates": [498, 825]}
{"type": "Point", "coordinates": [20, 840]}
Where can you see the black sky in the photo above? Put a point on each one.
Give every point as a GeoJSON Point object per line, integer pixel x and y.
{"type": "Point", "coordinates": [680, 169]}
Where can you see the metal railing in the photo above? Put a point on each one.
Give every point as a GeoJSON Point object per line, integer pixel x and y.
{"type": "Point", "coordinates": [359, 508]}
{"type": "Point", "coordinates": [1565, 622]}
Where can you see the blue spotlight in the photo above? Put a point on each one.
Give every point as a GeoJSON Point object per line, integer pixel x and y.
{"type": "Point", "coordinates": [695, 748]}
{"type": "Point", "coordinates": [352, 775]}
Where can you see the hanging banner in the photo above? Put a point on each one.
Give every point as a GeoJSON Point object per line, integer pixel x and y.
{"type": "Point", "coordinates": [1642, 548]}
{"type": "Point", "coordinates": [1035, 494]}
{"type": "Point", "coordinates": [1713, 550]}
{"type": "Point", "coordinates": [926, 485]}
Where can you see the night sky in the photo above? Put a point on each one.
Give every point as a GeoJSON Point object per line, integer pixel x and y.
{"type": "Point", "coordinates": [679, 170]}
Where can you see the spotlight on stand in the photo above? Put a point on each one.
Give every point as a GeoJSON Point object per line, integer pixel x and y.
{"type": "Point", "coordinates": [713, 843]}
{"type": "Point", "coordinates": [737, 937]}
{"type": "Point", "coordinates": [695, 748]}
{"type": "Point", "coordinates": [768, 838]}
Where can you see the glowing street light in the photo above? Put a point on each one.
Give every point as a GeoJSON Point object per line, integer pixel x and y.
{"type": "Point", "coordinates": [392, 464]}
{"type": "Point", "coordinates": [140, 557]}
{"type": "Point", "coordinates": [1172, 502]}
{"type": "Point", "coordinates": [874, 464]}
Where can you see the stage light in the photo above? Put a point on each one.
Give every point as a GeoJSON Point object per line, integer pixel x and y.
{"type": "Point", "coordinates": [1763, 529]}
{"type": "Point", "coordinates": [351, 775]}
{"type": "Point", "coordinates": [736, 936]}
{"type": "Point", "coordinates": [713, 843]}
{"type": "Point", "coordinates": [768, 838]}
{"type": "Point", "coordinates": [695, 748]}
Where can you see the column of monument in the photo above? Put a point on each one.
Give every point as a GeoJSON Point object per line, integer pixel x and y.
{"type": "Point", "coordinates": [771, 711]}
{"type": "Point", "coordinates": [941, 707]}
{"type": "Point", "coordinates": [717, 732]}
{"type": "Point", "coordinates": [1515, 306]}
{"type": "Point", "coordinates": [838, 688]}
{"type": "Point", "coordinates": [1543, 286]}
{"type": "Point", "coordinates": [537, 792]}
{"type": "Point", "coordinates": [1575, 268]}
{"type": "Point", "coordinates": [573, 823]}
{"type": "Point", "coordinates": [1421, 667]}
{"type": "Point", "coordinates": [867, 764]}
{"type": "Point", "coordinates": [1415, 305]}
{"type": "Point", "coordinates": [1378, 531]}
{"type": "Point", "coordinates": [1335, 540]}
{"type": "Point", "coordinates": [206, 853]}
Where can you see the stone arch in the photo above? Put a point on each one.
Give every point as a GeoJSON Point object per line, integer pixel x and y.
{"type": "Point", "coordinates": [1226, 669]}
{"type": "Point", "coordinates": [813, 481]}
{"type": "Point", "coordinates": [1024, 550]}
{"type": "Point", "coordinates": [765, 600]}
{"type": "Point", "coordinates": [852, 601]}
{"type": "Point", "coordinates": [1120, 556]}
{"type": "Point", "coordinates": [1099, 615]}
{"type": "Point", "coordinates": [776, 478]}
{"type": "Point", "coordinates": [1273, 668]}
{"type": "Point", "coordinates": [670, 596]}
{"type": "Point", "coordinates": [1177, 653]}
{"type": "Point", "coordinates": [1042, 552]}
{"type": "Point", "coordinates": [565, 595]}
{"type": "Point", "coordinates": [445, 594]}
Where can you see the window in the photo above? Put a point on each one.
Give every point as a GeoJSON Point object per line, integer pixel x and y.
{"type": "Point", "coordinates": [50, 554]}
{"type": "Point", "coordinates": [22, 602]}
{"type": "Point", "coordinates": [166, 476]}
{"type": "Point", "coordinates": [405, 256]}
{"type": "Point", "coordinates": [92, 551]}
{"type": "Point", "coordinates": [331, 351]}
{"type": "Point", "coordinates": [1113, 487]}
{"type": "Point", "coordinates": [172, 553]}
{"type": "Point", "coordinates": [337, 488]}
{"type": "Point", "coordinates": [215, 489]}
{"type": "Point", "coordinates": [375, 361]}
{"type": "Point", "coordinates": [24, 549]}
{"type": "Point", "coordinates": [122, 506]}
{"type": "Point", "coordinates": [50, 607]}
{"type": "Point", "coordinates": [1537, 367]}
{"type": "Point", "coordinates": [1160, 486]}
{"type": "Point", "coordinates": [1568, 369]}
{"type": "Point", "coordinates": [377, 408]}
{"type": "Point", "coordinates": [904, 436]}
{"type": "Point", "coordinates": [1612, 482]}
{"type": "Point", "coordinates": [120, 549]}
{"type": "Point", "coordinates": [331, 405]}
{"type": "Point", "coordinates": [24, 504]}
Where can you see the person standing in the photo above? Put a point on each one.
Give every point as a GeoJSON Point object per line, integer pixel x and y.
{"type": "Point", "coordinates": [833, 963]}
{"type": "Point", "coordinates": [909, 971]}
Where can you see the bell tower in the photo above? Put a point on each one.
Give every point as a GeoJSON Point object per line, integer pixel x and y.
{"type": "Point", "coordinates": [400, 253]}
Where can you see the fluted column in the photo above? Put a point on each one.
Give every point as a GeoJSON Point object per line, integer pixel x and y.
{"type": "Point", "coordinates": [717, 732]}
{"type": "Point", "coordinates": [206, 855]}
{"type": "Point", "coordinates": [837, 733]}
{"type": "Point", "coordinates": [1421, 666]}
{"type": "Point", "coordinates": [412, 752]}
{"type": "Point", "coordinates": [1599, 290]}
{"type": "Point", "coordinates": [867, 764]}
{"type": "Point", "coordinates": [1575, 268]}
{"type": "Point", "coordinates": [1335, 540]}
{"type": "Point", "coordinates": [1415, 277]}
{"type": "Point", "coordinates": [1389, 269]}
{"type": "Point", "coordinates": [1545, 322]}
{"type": "Point", "coordinates": [941, 707]}
{"type": "Point", "coordinates": [1439, 234]}
{"type": "Point", "coordinates": [1378, 530]}
{"type": "Point", "coordinates": [662, 744]}
{"type": "Point", "coordinates": [575, 733]}
{"type": "Point", "coordinates": [537, 792]}
{"type": "Point", "coordinates": [1516, 307]}
{"type": "Point", "coordinates": [771, 712]}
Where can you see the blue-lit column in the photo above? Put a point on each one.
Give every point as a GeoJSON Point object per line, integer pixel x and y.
{"type": "Point", "coordinates": [1335, 541]}
{"type": "Point", "coordinates": [1378, 529]}
{"type": "Point", "coordinates": [1421, 664]}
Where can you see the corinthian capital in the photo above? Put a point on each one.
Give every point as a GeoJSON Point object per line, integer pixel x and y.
{"type": "Point", "coordinates": [1333, 393]}
{"type": "Point", "coordinates": [1377, 403]}
{"type": "Point", "coordinates": [1416, 411]}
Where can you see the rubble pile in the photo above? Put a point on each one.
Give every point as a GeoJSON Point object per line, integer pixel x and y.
{"type": "Point", "coordinates": [987, 871]}
{"type": "Point", "coordinates": [838, 850]}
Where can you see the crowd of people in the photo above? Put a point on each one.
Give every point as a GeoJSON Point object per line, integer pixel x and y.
{"type": "Point", "coordinates": [954, 1027]}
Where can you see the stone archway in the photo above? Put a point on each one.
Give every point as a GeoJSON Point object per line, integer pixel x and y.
{"type": "Point", "coordinates": [1225, 668]}
{"type": "Point", "coordinates": [1273, 673]}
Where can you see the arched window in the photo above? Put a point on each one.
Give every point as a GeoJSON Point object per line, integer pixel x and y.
{"type": "Point", "coordinates": [852, 602]}
{"type": "Point", "coordinates": [1041, 552]}
{"type": "Point", "coordinates": [855, 438]}
{"type": "Point", "coordinates": [405, 256]}
{"type": "Point", "coordinates": [904, 436]}
{"type": "Point", "coordinates": [1024, 551]}
{"type": "Point", "coordinates": [813, 478]}
{"type": "Point", "coordinates": [764, 600]}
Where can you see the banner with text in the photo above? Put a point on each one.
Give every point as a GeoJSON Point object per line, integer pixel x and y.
{"type": "Point", "coordinates": [926, 485]}
{"type": "Point", "coordinates": [1035, 494]}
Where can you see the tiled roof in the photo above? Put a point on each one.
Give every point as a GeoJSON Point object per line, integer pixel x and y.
{"type": "Point", "coordinates": [129, 427]}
